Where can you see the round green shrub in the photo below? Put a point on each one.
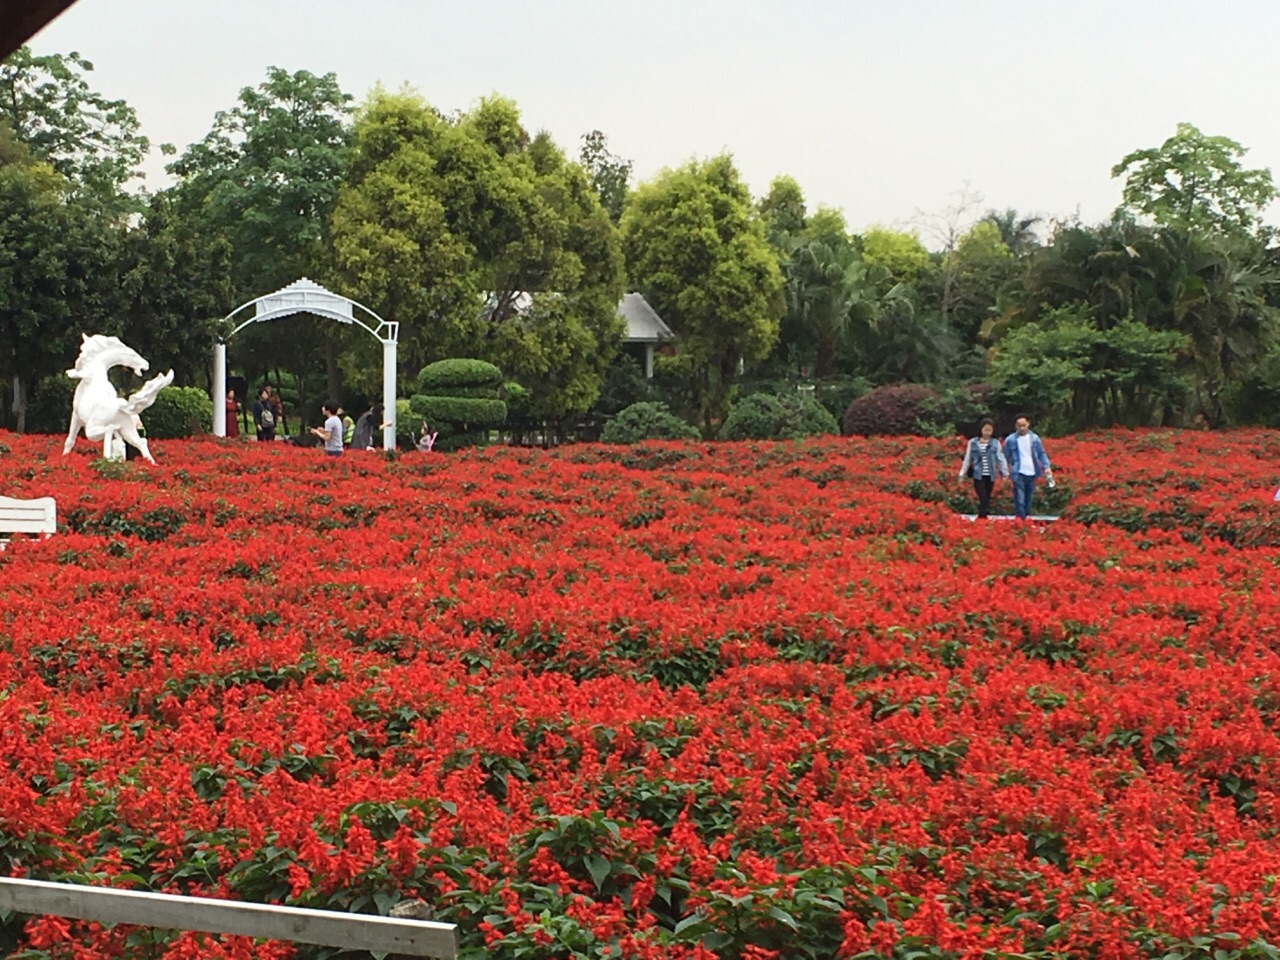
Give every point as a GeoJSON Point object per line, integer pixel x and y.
{"type": "Point", "coordinates": [463, 411]}
{"type": "Point", "coordinates": [178, 412]}
{"type": "Point", "coordinates": [763, 416]}
{"type": "Point", "coordinates": [436, 377]}
{"type": "Point", "coordinates": [646, 421]}
{"type": "Point", "coordinates": [890, 411]}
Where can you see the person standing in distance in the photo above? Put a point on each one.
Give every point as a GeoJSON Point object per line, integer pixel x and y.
{"type": "Point", "coordinates": [264, 417]}
{"type": "Point", "coordinates": [984, 461]}
{"type": "Point", "coordinates": [331, 432]}
{"type": "Point", "coordinates": [1027, 462]}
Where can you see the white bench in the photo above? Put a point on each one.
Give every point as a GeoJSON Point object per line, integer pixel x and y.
{"type": "Point", "coordinates": [39, 516]}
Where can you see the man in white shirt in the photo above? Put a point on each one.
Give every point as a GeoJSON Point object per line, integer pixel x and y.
{"type": "Point", "coordinates": [1027, 461]}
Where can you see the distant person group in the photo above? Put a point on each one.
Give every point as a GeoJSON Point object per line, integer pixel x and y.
{"type": "Point", "coordinates": [338, 434]}
{"type": "Point", "coordinates": [1020, 457]}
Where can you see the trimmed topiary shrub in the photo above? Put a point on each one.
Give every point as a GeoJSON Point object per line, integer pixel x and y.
{"type": "Point", "coordinates": [178, 412]}
{"type": "Point", "coordinates": [461, 400]}
{"type": "Point", "coordinates": [890, 411]}
{"type": "Point", "coordinates": [646, 421]}
{"type": "Point", "coordinates": [459, 372]}
{"type": "Point", "coordinates": [763, 416]}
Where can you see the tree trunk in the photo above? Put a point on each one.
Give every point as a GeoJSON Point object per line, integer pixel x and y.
{"type": "Point", "coordinates": [284, 423]}
{"type": "Point", "coordinates": [20, 403]}
{"type": "Point", "coordinates": [333, 373]}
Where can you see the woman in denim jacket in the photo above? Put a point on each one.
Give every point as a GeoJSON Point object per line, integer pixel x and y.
{"type": "Point", "coordinates": [984, 460]}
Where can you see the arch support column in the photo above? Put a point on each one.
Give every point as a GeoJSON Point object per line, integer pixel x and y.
{"type": "Point", "coordinates": [389, 394]}
{"type": "Point", "coordinates": [220, 389]}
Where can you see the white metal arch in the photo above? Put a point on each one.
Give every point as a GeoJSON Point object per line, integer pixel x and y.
{"type": "Point", "coordinates": [306, 296]}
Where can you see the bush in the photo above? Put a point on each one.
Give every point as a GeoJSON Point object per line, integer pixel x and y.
{"type": "Point", "coordinates": [890, 411]}
{"type": "Point", "coordinates": [49, 408]}
{"type": "Point", "coordinates": [462, 411]}
{"type": "Point", "coordinates": [762, 416]}
{"type": "Point", "coordinates": [646, 421]}
{"type": "Point", "coordinates": [178, 412]}
{"type": "Point", "coordinates": [958, 411]}
{"type": "Point", "coordinates": [436, 378]}
{"type": "Point", "coordinates": [838, 392]}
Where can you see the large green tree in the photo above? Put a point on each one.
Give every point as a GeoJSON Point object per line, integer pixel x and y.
{"type": "Point", "coordinates": [57, 276]}
{"type": "Point", "coordinates": [174, 285]}
{"type": "Point", "coordinates": [91, 140]}
{"type": "Point", "coordinates": [696, 249]}
{"type": "Point", "coordinates": [266, 177]}
{"type": "Point", "coordinates": [1197, 182]}
{"type": "Point", "coordinates": [482, 241]}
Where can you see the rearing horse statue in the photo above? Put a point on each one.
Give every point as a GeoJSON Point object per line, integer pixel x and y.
{"type": "Point", "coordinates": [97, 407]}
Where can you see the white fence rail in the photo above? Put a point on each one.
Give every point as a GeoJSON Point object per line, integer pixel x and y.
{"type": "Point", "coordinates": [352, 931]}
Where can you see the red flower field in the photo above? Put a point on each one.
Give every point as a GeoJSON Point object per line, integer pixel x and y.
{"type": "Point", "coordinates": [688, 701]}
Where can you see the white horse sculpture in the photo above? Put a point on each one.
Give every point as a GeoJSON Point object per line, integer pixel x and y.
{"type": "Point", "coordinates": [98, 408]}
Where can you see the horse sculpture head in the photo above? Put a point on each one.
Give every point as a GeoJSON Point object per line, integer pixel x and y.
{"type": "Point", "coordinates": [98, 352]}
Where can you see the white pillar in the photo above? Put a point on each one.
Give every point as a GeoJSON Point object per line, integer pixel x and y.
{"type": "Point", "coordinates": [220, 389]}
{"type": "Point", "coordinates": [389, 394]}
{"type": "Point", "coordinates": [648, 361]}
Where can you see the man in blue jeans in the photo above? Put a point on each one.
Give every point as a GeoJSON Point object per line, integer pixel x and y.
{"type": "Point", "coordinates": [1027, 461]}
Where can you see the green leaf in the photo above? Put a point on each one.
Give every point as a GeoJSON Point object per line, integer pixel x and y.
{"type": "Point", "coordinates": [784, 918]}
{"type": "Point", "coordinates": [598, 867]}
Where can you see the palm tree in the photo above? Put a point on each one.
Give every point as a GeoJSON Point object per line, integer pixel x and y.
{"type": "Point", "coordinates": [1016, 231]}
{"type": "Point", "coordinates": [830, 296]}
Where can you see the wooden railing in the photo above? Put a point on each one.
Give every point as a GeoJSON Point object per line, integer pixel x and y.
{"type": "Point", "coordinates": [352, 931]}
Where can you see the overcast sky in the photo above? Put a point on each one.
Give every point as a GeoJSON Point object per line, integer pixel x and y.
{"type": "Point", "coordinates": [882, 109]}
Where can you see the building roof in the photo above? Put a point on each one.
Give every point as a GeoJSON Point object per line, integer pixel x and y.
{"type": "Point", "coordinates": [643, 324]}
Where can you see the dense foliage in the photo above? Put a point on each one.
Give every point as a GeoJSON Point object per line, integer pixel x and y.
{"type": "Point", "coordinates": [661, 700]}
{"type": "Point", "coordinates": [482, 238]}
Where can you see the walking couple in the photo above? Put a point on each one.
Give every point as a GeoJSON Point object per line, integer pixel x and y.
{"type": "Point", "coordinates": [1021, 456]}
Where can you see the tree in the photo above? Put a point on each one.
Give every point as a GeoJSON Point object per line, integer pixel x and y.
{"type": "Point", "coordinates": [482, 241]}
{"type": "Point", "coordinates": [697, 251]}
{"type": "Point", "coordinates": [266, 177]}
{"type": "Point", "coordinates": [901, 254]}
{"type": "Point", "coordinates": [1016, 232]}
{"type": "Point", "coordinates": [831, 297]}
{"type": "Point", "coordinates": [174, 282]}
{"type": "Point", "coordinates": [92, 141]}
{"type": "Point", "coordinates": [1196, 182]}
{"type": "Point", "coordinates": [784, 214]}
{"type": "Point", "coordinates": [1065, 367]}
{"type": "Point", "coordinates": [57, 260]}
{"type": "Point", "coordinates": [609, 173]}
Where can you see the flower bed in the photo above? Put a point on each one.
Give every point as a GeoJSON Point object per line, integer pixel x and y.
{"type": "Point", "coordinates": [674, 700]}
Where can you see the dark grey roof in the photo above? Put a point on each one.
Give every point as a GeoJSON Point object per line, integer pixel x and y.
{"type": "Point", "coordinates": [643, 325]}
